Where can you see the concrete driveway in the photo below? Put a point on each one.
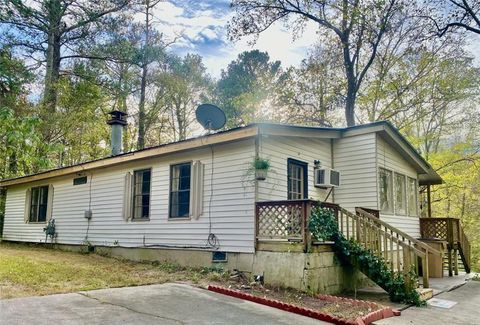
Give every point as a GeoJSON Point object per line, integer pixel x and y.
{"type": "Point", "coordinates": [465, 312]}
{"type": "Point", "coordinates": [154, 304]}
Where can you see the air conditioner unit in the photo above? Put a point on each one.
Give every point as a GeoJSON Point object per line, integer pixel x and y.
{"type": "Point", "coordinates": [327, 177]}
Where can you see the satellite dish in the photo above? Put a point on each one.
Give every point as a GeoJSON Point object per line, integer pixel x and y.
{"type": "Point", "coordinates": [210, 117]}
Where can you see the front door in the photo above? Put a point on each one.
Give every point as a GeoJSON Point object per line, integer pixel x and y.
{"type": "Point", "coordinates": [297, 180]}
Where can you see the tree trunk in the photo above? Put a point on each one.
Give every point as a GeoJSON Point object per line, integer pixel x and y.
{"type": "Point", "coordinates": [351, 83]}
{"type": "Point", "coordinates": [143, 83]}
{"type": "Point", "coordinates": [53, 56]}
{"type": "Point", "coordinates": [141, 110]}
{"type": "Point", "coordinates": [350, 105]}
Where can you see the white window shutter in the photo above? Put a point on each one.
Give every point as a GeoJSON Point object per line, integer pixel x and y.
{"type": "Point", "coordinates": [49, 202]}
{"type": "Point", "coordinates": [28, 200]}
{"type": "Point", "coordinates": [196, 189]}
{"type": "Point", "coordinates": [127, 196]}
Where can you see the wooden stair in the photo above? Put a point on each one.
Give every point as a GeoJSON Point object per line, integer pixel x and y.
{"type": "Point", "coordinates": [401, 252]}
{"type": "Point", "coordinates": [451, 231]}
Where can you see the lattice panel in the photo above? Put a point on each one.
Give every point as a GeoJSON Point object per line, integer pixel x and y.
{"type": "Point", "coordinates": [280, 221]}
{"type": "Point", "coordinates": [435, 228]}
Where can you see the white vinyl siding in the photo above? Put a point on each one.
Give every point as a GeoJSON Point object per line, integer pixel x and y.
{"type": "Point", "coordinates": [278, 150]}
{"type": "Point", "coordinates": [391, 159]}
{"type": "Point", "coordinates": [355, 158]}
{"type": "Point", "coordinates": [231, 207]}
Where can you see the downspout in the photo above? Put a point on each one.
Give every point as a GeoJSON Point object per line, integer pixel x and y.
{"type": "Point", "coordinates": [257, 152]}
{"type": "Point", "coordinates": [257, 155]}
{"type": "Point", "coordinates": [332, 162]}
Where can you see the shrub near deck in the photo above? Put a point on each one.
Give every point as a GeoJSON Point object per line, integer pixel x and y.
{"type": "Point", "coordinates": [31, 271]}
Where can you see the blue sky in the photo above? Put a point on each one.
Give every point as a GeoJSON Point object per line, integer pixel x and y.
{"type": "Point", "coordinates": [202, 25]}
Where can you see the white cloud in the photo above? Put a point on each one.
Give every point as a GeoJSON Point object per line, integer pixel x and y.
{"type": "Point", "coordinates": [204, 32]}
{"type": "Point", "coordinates": [203, 26]}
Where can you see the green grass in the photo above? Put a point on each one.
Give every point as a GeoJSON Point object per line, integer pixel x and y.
{"type": "Point", "coordinates": [31, 271]}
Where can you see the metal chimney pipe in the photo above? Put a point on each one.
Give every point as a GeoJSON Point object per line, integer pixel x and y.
{"type": "Point", "coordinates": [117, 121]}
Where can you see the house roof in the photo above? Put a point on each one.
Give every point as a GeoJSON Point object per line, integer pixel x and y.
{"type": "Point", "coordinates": [385, 129]}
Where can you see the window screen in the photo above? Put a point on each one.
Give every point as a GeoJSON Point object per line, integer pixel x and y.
{"type": "Point", "coordinates": [141, 194]}
{"type": "Point", "coordinates": [385, 180]}
{"type": "Point", "coordinates": [180, 190]}
{"type": "Point", "coordinates": [38, 204]}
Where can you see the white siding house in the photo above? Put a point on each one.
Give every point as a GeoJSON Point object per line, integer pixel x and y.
{"type": "Point", "coordinates": [225, 192]}
{"type": "Point", "coordinates": [230, 211]}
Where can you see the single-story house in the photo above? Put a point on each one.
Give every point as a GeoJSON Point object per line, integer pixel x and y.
{"type": "Point", "coordinates": [196, 200]}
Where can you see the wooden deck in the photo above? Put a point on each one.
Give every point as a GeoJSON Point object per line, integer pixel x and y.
{"type": "Point", "coordinates": [285, 222]}
{"type": "Point", "coordinates": [451, 231]}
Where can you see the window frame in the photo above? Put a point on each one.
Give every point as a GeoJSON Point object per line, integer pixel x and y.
{"type": "Point", "coordinates": [32, 189]}
{"type": "Point", "coordinates": [170, 192]}
{"type": "Point", "coordinates": [404, 213]}
{"type": "Point", "coordinates": [134, 195]}
{"type": "Point", "coordinates": [78, 181]}
{"type": "Point", "coordinates": [304, 166]}
{"type": "Point", "coordinates": [415, 192]}
{"type": "Point", "coordinates": [392, 196]}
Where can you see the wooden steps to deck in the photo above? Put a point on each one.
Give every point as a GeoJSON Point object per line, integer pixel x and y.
{"type": "Point", "coordinates": [451, 231]}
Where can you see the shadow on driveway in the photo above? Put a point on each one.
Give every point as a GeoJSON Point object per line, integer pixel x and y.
{"type": "Point", "coordinates": [153, 304]}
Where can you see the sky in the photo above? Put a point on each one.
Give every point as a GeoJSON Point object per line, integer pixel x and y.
{"type": "Point", "coordinates": [202, 24]}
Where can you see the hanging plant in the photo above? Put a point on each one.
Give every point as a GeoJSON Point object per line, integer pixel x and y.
{"type": "Point", "coordinates": [261, 167]}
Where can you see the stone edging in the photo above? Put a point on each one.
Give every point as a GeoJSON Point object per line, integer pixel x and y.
{"type": "Point", "coordinates": [364, 320]}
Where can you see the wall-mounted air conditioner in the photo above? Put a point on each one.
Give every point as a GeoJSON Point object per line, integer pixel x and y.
{"type": "Point", "coordinates": [327, 177]}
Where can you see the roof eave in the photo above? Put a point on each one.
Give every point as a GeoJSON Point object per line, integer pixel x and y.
{"type": "Point", "coordinates": [218, 138]}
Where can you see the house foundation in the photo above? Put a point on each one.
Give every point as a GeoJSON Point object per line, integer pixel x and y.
{"type": "Point", "coordinates": [315, 272]}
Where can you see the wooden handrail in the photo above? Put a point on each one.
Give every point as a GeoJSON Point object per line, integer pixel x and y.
{"type": "Point", "coordinates": [399, 250]}
{"type": "Point", "coordinates": [417, 242]}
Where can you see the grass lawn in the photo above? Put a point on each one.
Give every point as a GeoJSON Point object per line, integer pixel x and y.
{"type": "Point", "coordinates": [32, 271]}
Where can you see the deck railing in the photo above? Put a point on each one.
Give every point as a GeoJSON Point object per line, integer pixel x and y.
{"type": "Point", "coordinates": [288, 221]}
{"type": "Point", "coordinates": [451, 231]}
{"type": "Point", "coordinates": [401, 252]}
{"type": "Point", "coordinates": [283, 220]}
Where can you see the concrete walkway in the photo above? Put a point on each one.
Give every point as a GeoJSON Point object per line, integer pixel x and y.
{"type": "Point", "coordinates": [153, 304]}
{"type": "Point", "coordinates": [465, 312]}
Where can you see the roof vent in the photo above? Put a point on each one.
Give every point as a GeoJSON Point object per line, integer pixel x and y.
{"type": "Point", "coordinates": [118, 120]}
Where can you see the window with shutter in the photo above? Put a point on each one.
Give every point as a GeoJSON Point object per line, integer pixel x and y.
{"type": "Point", "coordinates": [38, 204]}
{"type": "Point", "coordinates": [180, 176]}
{"type": "Point", "coordinates": [141, 193]}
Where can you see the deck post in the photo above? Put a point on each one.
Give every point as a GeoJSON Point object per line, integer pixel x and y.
{"type": "Point", "coordinates": [450, 269]}
{"type": "Point", "coordinates": [429, 202]}
{"type": "Point", "coordinates": [425, 273]}
{"type": "Point", "coordinates": [455, 261]}
{"type": "Point", "coordinates": [257, 213]}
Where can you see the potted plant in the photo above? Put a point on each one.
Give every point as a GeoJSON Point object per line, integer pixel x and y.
{"type": "Point", "coordinates": [261, 167]}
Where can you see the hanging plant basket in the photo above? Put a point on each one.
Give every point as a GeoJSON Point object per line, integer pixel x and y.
{"type": "Point", "coordinates": [261, 174]}
{"type": "Point", "coordinates": [261, 167]}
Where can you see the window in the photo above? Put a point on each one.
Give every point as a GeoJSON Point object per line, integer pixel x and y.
{"type": "Point", "coordinates": [38, 204]}
{"type": "Point", "coordinates": [400, 195]}
{"type": "Point", "coordinates": [80, 180]}
{"type": "Point", "coordinates": [412, 196]}
{"type": "Point", "coordinates": [297, 180]}
{"type": "Point", "coordinates": [180, 190]}
{"type": "Point", "coordinates": [141, 194]}
{"type": "Point", "coordinates": [385, 190]}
